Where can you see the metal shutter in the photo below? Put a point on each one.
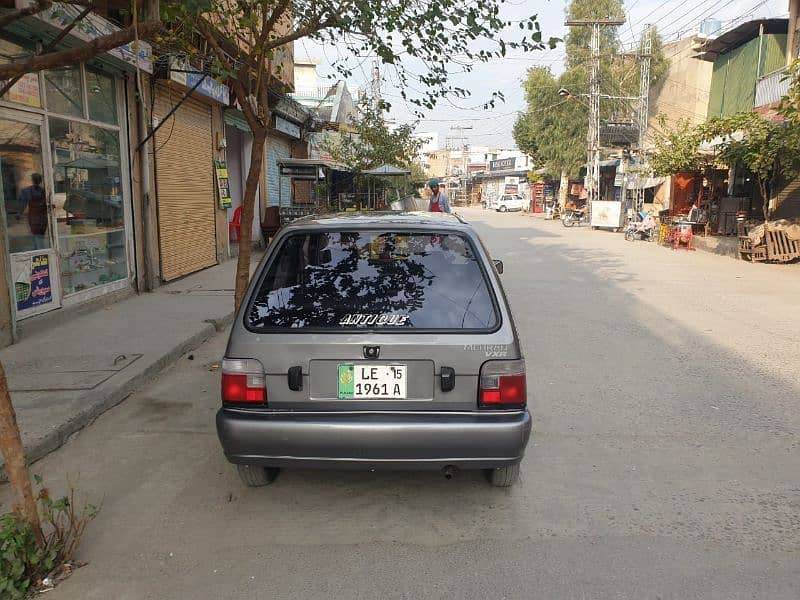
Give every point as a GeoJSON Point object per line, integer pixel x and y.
{"type": "Point", "coordinates": [277, 149]}
{"type": "Point", "coordinates": [186, 195]}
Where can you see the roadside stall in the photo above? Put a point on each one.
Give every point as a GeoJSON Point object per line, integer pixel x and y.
{"type": "Point", "coordinates": [378, 193]}
{"type": "Point", "coordinates": [315, 183]}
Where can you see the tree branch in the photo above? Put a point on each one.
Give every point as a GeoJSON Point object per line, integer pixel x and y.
{"type": "Point", "coordinates": [75, 55]}
{"type": "Point", "coordinates": [209, 33]}
{"type": "Point", "coordinates": [309, 29]}
{"type": "Point", "coordinates": [277, 13]}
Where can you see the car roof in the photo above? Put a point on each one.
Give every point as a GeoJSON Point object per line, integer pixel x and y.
{"type": "Point", "coordinates": [365, 220]}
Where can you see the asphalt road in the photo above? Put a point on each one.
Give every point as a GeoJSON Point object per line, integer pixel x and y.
{"type": "Point", "coordinates": [665, 461]}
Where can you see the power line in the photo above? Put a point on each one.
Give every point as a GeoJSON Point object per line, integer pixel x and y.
{"type": "Point", "coordinates": [656, 9]}
{"type": "Point", "coordinates": [682, 23]}
{"type": "Point", "coordinates": [625, 41]}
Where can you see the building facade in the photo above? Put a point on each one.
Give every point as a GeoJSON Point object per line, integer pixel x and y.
{"type": "Point", "coordinates": [103, 197]}
{"type": "Point", "coordinates": [68, 201]}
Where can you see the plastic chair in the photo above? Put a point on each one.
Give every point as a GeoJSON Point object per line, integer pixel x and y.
{"type": "Point", "coordinates": [235, 226]}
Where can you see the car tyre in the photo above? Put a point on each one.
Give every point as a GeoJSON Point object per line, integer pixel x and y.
{"type": "Point", "coordinates": [255, 476]}
{"type": "Point", "coordinates": [503, 476]}
{"type": "Point", "coordinates": [502, 209]}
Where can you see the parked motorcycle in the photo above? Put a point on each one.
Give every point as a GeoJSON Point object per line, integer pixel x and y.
{"type": "Point", "coordinates": [574, 216]}
{"type": "Point", "coordinates": [644, 230]}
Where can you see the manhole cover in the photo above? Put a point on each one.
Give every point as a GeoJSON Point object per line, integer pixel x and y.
{"type": "Point", "coordinates": [65, 373]}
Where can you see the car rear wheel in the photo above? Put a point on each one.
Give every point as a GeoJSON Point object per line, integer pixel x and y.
{"type": "Point", "coordinates": [255, 476]}
{"type": "Point", "coordinates": [503, 476]}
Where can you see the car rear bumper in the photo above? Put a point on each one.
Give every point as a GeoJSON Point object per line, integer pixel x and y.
{"type": "Point", "coordinates": [374, 440]}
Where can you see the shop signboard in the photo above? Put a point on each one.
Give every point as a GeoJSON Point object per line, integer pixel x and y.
{"type": "Point", "coordinates": [287, 127]}
{"type": "Point", "coordinates": [303, 172]}
{"type": "Point", "coordinates": [607, 214]}
{"type": "Point", "coordinates": [209, 87]}
{"type": "Point", "coordinates": [185, 74]}
{"type": "Point", "coordinates": [93, 26]}
{"type": "Point", "coordinates": [223, 183]}
{"type": "Point", "coordinates": [502, 164]}
{"type": "Point", "coordinates": [511, 185]}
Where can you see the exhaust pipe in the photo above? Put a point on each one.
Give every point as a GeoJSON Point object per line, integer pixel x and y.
{"type": "Point", "coordinates": [449, 471]}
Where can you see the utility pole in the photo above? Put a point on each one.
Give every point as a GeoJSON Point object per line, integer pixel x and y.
{"type": "Point", "coordinates": [464, 147]}
{"type": "Point", "coordinates": [376, 85]}
{"type": "Point", "coordinates": [645, 53]}
{"type": "Point", "coordinates": [593, 133]}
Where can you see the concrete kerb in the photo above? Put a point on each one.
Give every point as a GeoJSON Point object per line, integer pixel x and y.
{"type": "Point", "coordinates": [99, 401]}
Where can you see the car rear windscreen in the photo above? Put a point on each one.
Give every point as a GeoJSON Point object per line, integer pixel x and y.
{"type": "Point", "coordinates": [374, 280]}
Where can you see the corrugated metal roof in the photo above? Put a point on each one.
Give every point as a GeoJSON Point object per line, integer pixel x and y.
{"type": "Point", "coordinates": [737, 36]}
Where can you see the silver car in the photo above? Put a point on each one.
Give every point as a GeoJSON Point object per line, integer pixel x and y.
{"type": "Point", "coordinates": [375, 341]}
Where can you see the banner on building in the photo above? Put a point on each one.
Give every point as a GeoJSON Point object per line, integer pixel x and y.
{"type": "Point", "coordinates": [25, 91]}
{"type": "Point", "coordinates": [32, 281]}
{"type": "Point", "coordinates": [223, 183]}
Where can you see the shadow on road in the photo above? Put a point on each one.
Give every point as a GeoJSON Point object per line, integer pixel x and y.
{"type": "Point", "coordinates": [659, 461]}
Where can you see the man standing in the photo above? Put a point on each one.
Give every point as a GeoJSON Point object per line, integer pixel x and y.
{"type": "Point", "coordinates": [439, 201]}
{"type": "Point", "coordinates": [34, 200]}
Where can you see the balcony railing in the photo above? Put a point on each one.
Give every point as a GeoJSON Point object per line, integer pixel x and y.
{"type": "Point", "coordinates": [771, 88]}
{"type": "Point", "coordinates": [319, 92]}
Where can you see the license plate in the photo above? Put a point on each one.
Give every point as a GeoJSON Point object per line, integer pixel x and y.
{"type": "Point", "coordinates": [372, 381]}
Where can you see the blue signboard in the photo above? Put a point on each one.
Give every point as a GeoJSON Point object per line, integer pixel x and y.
{"type": "Point", "coordinates": [209, 87]}
{"type": "Point", "coordinates": [34, 290]}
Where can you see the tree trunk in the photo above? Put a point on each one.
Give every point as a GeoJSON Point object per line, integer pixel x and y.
{"type": "Point", "coordinates": [762, 188]}
{"type": "Point", "coordinates": [563, 190]}
{"type": "Point", "coordinates": [14, 456]}
{"type": "Point", "coordinates": [248, 208]}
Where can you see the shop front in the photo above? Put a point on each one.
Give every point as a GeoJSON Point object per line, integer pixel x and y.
{"type": "Point", "coordinates": [286, 131]}
{"type": "Point", "coordinates": [238, 151]}
{"type": "Point", "coordinates": [65, 186]}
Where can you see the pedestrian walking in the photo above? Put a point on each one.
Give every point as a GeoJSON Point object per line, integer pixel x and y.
{"type": "Point", "coordinates": [439, 201]}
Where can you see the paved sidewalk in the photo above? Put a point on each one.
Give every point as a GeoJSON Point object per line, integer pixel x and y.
{"type": "Point", "coordinates": [65, 376]}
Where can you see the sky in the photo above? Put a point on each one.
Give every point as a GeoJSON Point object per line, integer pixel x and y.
{"type": "Point", "coordinates": [493, 126]}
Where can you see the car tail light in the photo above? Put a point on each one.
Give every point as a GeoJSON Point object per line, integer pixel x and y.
{"type": "Point", "coordinates": [502, 384]}
{"type": "Point", "coordinates": [243, 381]}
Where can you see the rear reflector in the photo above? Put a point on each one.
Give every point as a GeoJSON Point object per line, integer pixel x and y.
{"type": "Point", "coordinates": [243, 382]}
{"type": "Point", "coordinates": [502, 384]}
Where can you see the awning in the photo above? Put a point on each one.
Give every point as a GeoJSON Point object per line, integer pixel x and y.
{"type": "Point", "coordinates": [387, 171]}
{"type": "Point", "coordinates": [90, 162]}
{"type": "Point", "coordinates": [644, 183]}
{"type": "Point", "coordinates": [312, 162]}
{"type": "Point", "coordinates": [235, 118]}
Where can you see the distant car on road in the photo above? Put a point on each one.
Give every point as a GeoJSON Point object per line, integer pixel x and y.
{"type": "Point", "coordinates": [509, 202]}
{"type": "Point", "coordinates": [375, 341]}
